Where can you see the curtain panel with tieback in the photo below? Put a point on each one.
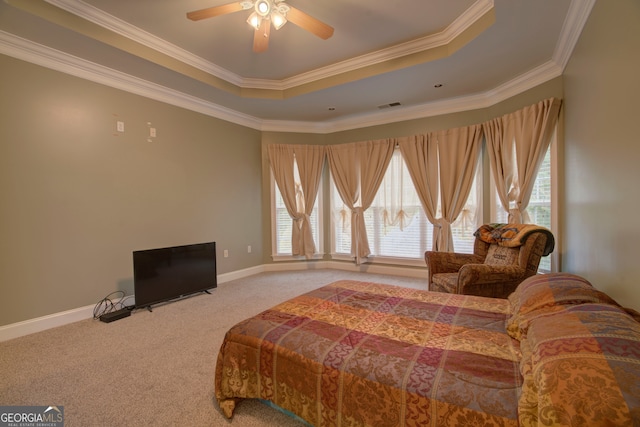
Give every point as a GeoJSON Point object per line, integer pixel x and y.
{"type": "Point", "coordinates": [446, 161]}
{"type": "Point", "coordinates": [299, 196]}
{"type": "Point", "coordinates": [517, 143]}
{"type": "Point", "coordinates": [458, 154]}
{"type": "Point", "coordinates": [441, 165]}
{"type": "Point", "coordinates": [420, 153]}
{"type": "Point", "coordinates": [357, 170]}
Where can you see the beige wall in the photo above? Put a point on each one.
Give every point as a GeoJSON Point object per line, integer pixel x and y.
{"type": "Point", "coordinates": [602, 148]}
{"type": "Point", "coordinates": [76, 197]}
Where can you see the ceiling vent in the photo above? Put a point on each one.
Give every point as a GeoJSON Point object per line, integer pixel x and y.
{"type": "Point", "coordinates": [393, 104]}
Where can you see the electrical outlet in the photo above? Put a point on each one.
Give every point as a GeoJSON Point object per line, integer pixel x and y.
{"type": "Point", "coordinates": [226, 253]}
{"type": "Point", "coordinates": [120, 126]}
{"type": "Point", "coordinates": [249, 249]}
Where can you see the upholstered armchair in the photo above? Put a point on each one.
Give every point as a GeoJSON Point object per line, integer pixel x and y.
{"type": "Point", "coordinates": [503, 256]}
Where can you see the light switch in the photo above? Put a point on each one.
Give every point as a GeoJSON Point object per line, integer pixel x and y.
{"type": "Point", "coordinates": [120, 126]}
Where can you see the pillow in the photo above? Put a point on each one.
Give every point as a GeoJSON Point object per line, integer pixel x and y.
{"type": "Point", "coordinates": [545, 294]}
{"type": "Point", "coordinates": [499, 255]}
{"type": "Point", "coordinates": [545, 290]}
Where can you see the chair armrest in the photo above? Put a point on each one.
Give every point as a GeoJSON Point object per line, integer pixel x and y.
{"type": "Point", "coordinates": [447, 262]}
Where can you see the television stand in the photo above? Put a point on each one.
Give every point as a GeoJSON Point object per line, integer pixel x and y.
{"type": "Point", "coordinates": [206, 291]}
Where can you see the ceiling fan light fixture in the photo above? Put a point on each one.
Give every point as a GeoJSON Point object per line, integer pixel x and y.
{"type": "Point", "coordinates": [278, 19]}
{"type": "Point", "coordinates": [263, 8]}
{"type": "Point", "coordinates": [264, 14]}
{"type": "Point", "coordinates": [254, 20]}
{"type": "Point", "coordinates": [246, 4]}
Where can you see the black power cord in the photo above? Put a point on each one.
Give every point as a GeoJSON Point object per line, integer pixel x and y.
{"type": "Point", "coordinates": [108, 305]}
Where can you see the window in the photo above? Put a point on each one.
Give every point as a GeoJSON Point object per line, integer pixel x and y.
{"type": "Point", "coordinates": [397, 227]}
{"type": "Point", "coordinates": [539, 208]}
{"type": "Point", "coordinates": [282, 223]}
{"type": "Point", "coordinates": [396, 224]}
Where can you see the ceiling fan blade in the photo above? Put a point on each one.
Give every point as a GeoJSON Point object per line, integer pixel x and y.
{"type": "Point", "coordinates": [309, 23]}
{"type": "Point", "coordinates": [210, 12]}
{"type": "Point", "coordinates": [261, 37]}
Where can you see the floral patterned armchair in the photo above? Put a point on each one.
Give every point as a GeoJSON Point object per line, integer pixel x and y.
{"type": "Point", "coordinates": [503, 256]}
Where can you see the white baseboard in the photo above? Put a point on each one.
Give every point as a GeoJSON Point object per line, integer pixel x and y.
{"type": "Point", "coordinates": [239, 274]}
{"type": "Point", "coordinates": [31, 326]}
{"type": "Point", "coordinates": [16, 330]}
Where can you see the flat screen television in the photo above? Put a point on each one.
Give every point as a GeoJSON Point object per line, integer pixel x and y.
{"type": "Point", "coordinates": [165, 274]}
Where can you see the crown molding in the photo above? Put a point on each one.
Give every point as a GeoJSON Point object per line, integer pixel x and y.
{"type": "Point", "coordinates": [526, 81]}
{"type": "Point", "coordinates": [35, 53]}
{"type": "Point", "coordinates": [123, 28]}
{"type": "Point", "coordinates": [479, 9]}
{"type": "Point", "coordinates": [38, 54]}
{"type": "Point", "coordinates": [29, 51]}
{"type": "Point", "coordinates": [463, 22]}
{"type": "Point", "coordinates": [577, 16]}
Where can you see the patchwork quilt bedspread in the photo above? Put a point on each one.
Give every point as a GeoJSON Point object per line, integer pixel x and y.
{"type": "Point", "coordinates": [366, 354]}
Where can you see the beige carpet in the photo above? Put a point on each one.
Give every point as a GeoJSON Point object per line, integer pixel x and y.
{"type": "Point", "coordinates": [153, 368]}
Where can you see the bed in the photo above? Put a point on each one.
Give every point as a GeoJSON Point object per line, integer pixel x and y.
{"type": "Point", "coordinates": [368, 354]}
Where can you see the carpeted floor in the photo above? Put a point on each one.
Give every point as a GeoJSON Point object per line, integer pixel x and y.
{"type": "Point", "coordinates": [153, 368]}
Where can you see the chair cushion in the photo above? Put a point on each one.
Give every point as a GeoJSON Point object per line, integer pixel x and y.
{"type": "Point", "coordinates": [500, 255]}
{"type": "Point", "coordinates": [444, 282]}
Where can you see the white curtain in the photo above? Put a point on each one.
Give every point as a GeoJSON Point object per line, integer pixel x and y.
{"type": "Point", "coordinates": [299, 196]}
{"type": "Point", "coordinates": [517, 144]}
{"type": "Point", "coordinates": [357, 170]}
{"type": "Point", "coordinates": [399, 205]}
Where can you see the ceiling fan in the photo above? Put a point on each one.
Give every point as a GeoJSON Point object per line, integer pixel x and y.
{"type": "Point", "coordinates": [267, 12]}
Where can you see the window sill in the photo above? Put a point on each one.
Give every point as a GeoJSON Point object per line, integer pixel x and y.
{"type": "Point", "coordinates": [399, 261]}
{"type": "Point", "coordinates": [289, 258]}
{"type": "Point", "coordinates": [412, 262]}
